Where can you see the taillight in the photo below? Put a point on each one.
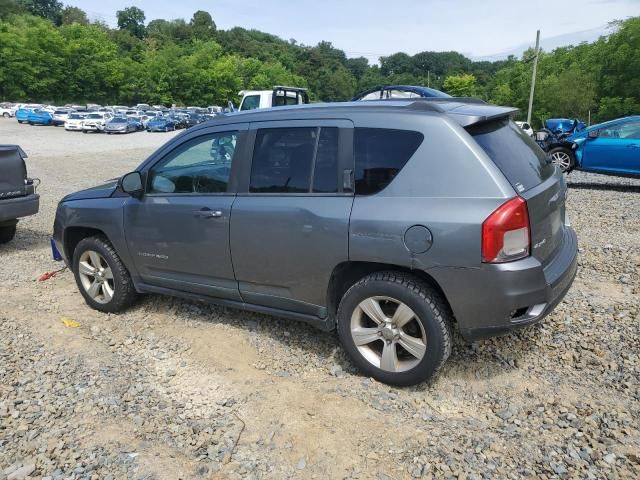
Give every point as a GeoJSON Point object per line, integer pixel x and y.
{"type": "Point", "coordinates": [505, 233]}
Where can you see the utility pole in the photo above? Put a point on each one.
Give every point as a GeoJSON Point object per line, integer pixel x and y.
{"type": "Point", "coordinates": [533, 78]}
{"type": "Point", "coordinates": [428, 78]}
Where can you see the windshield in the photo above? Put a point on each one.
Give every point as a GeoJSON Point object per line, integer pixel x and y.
{"type": "Point", "coordinates": [75, 116]}
{"type": "Point", "coordinates": [119, 120]}
{"type": "Point", "coordinates": [94, 115]}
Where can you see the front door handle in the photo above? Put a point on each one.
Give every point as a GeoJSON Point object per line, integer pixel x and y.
{"type": "Point", "coordinates": [208, 213]}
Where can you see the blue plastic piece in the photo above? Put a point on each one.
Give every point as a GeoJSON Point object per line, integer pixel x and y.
{"type": "Point", "coordinates": [54, 252]}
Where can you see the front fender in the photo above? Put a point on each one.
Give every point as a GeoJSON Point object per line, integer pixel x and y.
{"type": "Point", "coordinates": [105, 215]}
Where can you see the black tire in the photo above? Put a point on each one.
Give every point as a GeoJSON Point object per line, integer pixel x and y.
{"type": "Point", "coordinates": [7, 233]}
{"type": "Point", "coordinates": [124, 293]}
{"type": "Point", "coordinates": [6, 115]}
{"type": "Point", "coordinates": [430, 309]}
{"type": "Point", "coordinates": [566, 167]}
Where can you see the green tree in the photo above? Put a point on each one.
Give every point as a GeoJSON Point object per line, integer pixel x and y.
{"type": "Point", "coordinates": [463, 85]}
{"type": "Point", "coordinates": [202, 25]}
{"type": "Point", "coordinates": [71, 15]}
{"type": "Point", "coordinates": [132, 19]}
{"type": "Point", "coordinates": [357, 66]}
{"type": "Point", "coordinates": [10, 7]}
{"type": "Point", "coordinates": [32, 60]}
{"type": "Point", "coordinates": [49, 9]}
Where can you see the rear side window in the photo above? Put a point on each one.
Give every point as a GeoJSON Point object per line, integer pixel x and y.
{"type": "Point", "coordinates": [380, 154]}
{"type": "Point", "coordinates": [519, 158]}
{"type": "Point", "coordinates": [292, 160]}
{"type": "Point", "coordinates": [282, 160]}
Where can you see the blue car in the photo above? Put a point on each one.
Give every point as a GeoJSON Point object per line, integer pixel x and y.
{"type": "Point", "coordinates": [564, 125]}
{"type": "Point", "coordinates": [399, 91]}
{"type": "Point", "coordinates": [611, 148]}
{"type": "Point", "coordinates": [161, 124]}
{"type": "Point", "coordinates": [40, 117]}
{"type": "Point", "coordinates": [22, 114]}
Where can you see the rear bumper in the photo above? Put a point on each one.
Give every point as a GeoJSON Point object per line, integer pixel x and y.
{"type": "Point", "coordinates": [495, 299]}
{"type": "Point", "coordinates": [13, 208]}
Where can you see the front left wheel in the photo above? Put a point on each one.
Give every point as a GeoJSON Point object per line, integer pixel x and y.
{"type": "Point", "coordinates": [102, 278]}
{"type": "Point", "coordinates": [395, 327]}
{"type": "Point", "coordinates": [563, 158]}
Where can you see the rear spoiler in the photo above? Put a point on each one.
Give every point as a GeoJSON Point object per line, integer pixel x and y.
{"type": "Point", "coordinates": [465, 111]}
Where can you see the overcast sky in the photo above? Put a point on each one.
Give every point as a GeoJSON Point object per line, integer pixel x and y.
{"type": "Point", "coordinates": [373, 28]}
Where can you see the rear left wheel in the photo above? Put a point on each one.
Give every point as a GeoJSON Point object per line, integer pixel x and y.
{"type": "Point", "coordinates": [395, 328]}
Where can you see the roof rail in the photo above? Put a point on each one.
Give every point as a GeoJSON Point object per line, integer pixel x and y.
{"type": "Point", "coordinates": [446, 99]}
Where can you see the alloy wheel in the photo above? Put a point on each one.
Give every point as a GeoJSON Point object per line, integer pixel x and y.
{"type": "Point", "coordinates": [562, 160]}
{"type": "Point", "coordinates": [388, 334]}
{"type": "Point", "coordinates": [96, 276]}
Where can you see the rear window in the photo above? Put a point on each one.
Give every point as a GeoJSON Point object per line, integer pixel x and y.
{"type": "Point", "coordinates": [250, 103]}
{"type": "Point", "coordinates": [519, 158]}
{"type": "Point", "coordinates": [380, 154]}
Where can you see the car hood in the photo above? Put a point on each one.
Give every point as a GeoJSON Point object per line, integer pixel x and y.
{"type": "Point", "coordinates": [99, 191]}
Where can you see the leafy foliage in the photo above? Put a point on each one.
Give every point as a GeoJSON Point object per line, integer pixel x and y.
{"type": "Point", "coordinates": [49, 52]}
{"type": "Point", "coordinates": [463, 85]}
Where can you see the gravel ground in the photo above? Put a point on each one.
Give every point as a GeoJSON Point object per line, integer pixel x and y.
{"type": "Point", "coordinates": [172, 389]}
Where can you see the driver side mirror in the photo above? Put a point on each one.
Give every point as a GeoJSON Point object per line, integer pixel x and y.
{"type": "Point", "coordinates": [593, 133]}
{"type": "Point", "coordinates": [131, 183]}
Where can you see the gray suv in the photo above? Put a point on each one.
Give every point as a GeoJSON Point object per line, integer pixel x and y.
{"type": "Point", "coordinates": [390, 221]}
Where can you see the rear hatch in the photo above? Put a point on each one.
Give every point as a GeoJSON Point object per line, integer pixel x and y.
{"type": "Point", "coordinates": [532, 176]}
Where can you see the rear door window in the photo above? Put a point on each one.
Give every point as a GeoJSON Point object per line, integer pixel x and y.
{"type": "Point", "coordinates": [282, 160]}
{"type": "Point", "coordinates": [380, 154]}
{"type": "Point", "coordinates": [519, 158]}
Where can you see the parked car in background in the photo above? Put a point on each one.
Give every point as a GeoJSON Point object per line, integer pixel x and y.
{"type": "Point", "coordinates": [75, 121]}
{"type": "Point", "coordinates": [18, 197]}
{"type": "Point", "coordinates": [60, 116]}
{"type": "Point", "coordinates": [399, 91]}
{"type": "Point", "coordinates": [610, 148]}
{"type": "Point", "coordinates": [137, 121]}
{"type": "Point", "coordinates": [552, 138]}
{"type": "Point", "coordinates": [564, 125]}
{"type": "Point", "coordinates": [7, 110]}
{"type": "Point", "coordinates": [95, 122]}
{"type": "Point", "coordinates": [161, 124]}
{"type": "Point", "coordinates": [40, 117]}
{"type": "Point", "coordinates": [180, 119]}
{"type": "Point", "coordinates": [388, 221]}
{"type": "Point", "coordinates": [120, 125]}
{"type": "Point", "coordinates": [22, 114]}
{"type": "Point", "coordinates": [194, 119]}
{"type": "Point", "coordinates": [278, 96]}
{"type": "Point", "coordinates": [526, 128]}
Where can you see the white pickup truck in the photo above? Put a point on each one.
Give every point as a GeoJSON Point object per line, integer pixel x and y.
{"type": "Point", "coordinates": [276, 97]}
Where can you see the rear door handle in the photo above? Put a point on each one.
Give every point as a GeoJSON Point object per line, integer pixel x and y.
{"type": "Point", "coordinates": [208, 213]}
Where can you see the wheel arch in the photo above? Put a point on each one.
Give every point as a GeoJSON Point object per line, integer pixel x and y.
{"type": "Point", "coordinates": [73, 236]}
{"type": "Point", "coordinates": [346, 274]}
